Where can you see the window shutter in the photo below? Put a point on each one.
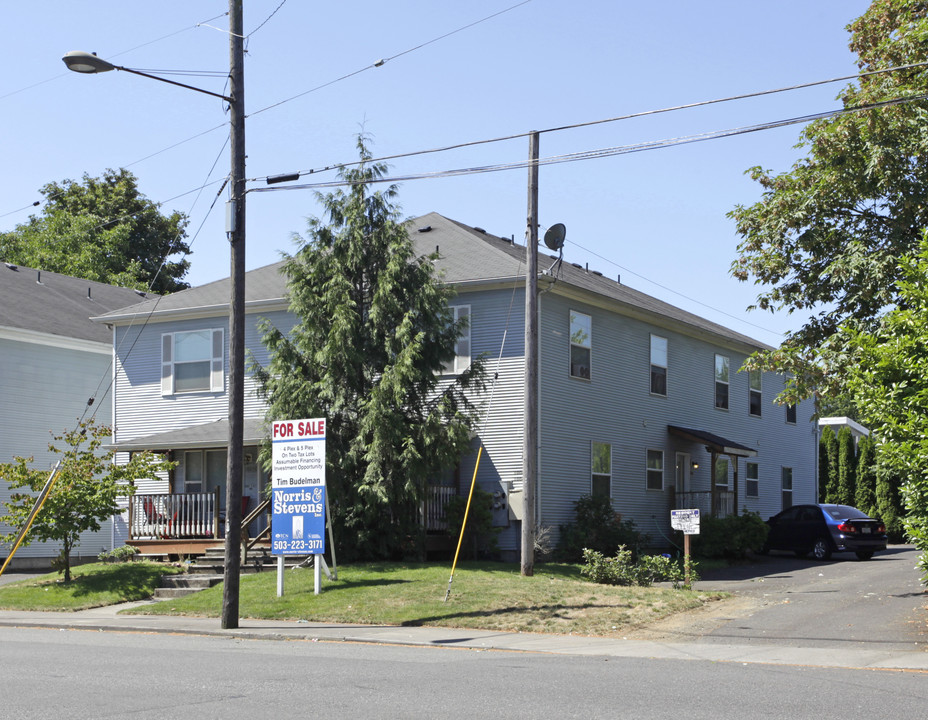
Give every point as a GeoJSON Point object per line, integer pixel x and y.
{"type": "Point", "coordinates": [217, 375]}
{"type": "Point", "coordinates": [167, 364]}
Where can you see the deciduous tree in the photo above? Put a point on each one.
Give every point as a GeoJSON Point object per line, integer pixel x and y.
{"type": "Point", "coordinates": [103, 229]}
{"type": "Point", "coordinates": [84, 494]}
{"type": "Point", "coordinates": [826, 237]}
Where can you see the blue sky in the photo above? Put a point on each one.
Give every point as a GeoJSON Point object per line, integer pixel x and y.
{"type": "Point", "coordinates": [656, 218]}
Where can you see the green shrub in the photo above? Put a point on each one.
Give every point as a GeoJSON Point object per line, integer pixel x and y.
{"type": "Point", "coordinates": [732, 537]}
{"type": "Point", "coordinates": [599, 527]}
{"type": "Point", "coordinates": [120, 554]}
{"type": "Point", "coordinates": [621, 569]}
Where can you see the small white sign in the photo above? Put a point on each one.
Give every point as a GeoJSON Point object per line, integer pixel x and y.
{"type": "Point", "coordinates": [685, 520]}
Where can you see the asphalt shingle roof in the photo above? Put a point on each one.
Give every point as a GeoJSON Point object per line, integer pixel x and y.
{"type": "Point", "coordinates": [55, 304]}
{"type": "Point", "coordinates": [466, 255]}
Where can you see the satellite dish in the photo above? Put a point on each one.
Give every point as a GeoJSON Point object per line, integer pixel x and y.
{"type": "Point", "coordinates": [554, 236]}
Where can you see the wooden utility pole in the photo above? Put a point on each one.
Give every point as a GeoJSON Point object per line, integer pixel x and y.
{"type": "Point", "coordinates": [530, 446]}
{"type": "Point", "coordinates": [236, 231]}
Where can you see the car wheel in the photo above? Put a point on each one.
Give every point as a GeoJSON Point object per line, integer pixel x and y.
{"type": "Point", "coordinates": [821, 550]}
{"type": "Point", "coordinates": [864, 554]}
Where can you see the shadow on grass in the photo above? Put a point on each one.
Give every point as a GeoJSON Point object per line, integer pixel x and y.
{"type": "Point", "coordinates": [127, 580]}
{"type": "Point", "coordinates": [552, 611]}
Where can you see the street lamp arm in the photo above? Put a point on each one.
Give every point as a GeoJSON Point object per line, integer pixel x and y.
{"type": "Point", "coordinates": [89, 63]}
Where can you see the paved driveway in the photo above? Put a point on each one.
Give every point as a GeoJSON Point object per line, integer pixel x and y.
{"type": "Point", "coordinates": [781, 599]}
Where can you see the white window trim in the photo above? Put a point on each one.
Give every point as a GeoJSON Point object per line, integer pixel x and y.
{"type": "Point", "coordinates": [759, 390]}
{"type": "Point", "coordinates": [460, 363]}
{"type": "Point", "coordinates": [649, 470]}
{"type": "Point", "coordinates": [593, 473]}
{"type": "Point", "coordinates": [588, 347]}
{"type": "Point", "coordinates": [216, 375]}
{"type": "Point", "coordinates": [716, 381]}
{"type": "Point", "coordinates": [748, 479]}
{"type": "Point", "coordinates": [655, 364]}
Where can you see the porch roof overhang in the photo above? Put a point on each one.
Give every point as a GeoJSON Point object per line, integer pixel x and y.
{"type": "Point", "coordinates": [713, 442]}
{"type": "Point", "coordinates": [205, 435]}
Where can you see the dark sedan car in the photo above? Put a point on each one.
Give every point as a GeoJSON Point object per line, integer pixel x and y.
{"type": "Point", "coordinates": [825, 529]}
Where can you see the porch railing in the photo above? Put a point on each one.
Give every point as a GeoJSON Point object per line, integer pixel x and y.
{"type": "Point", "coordinates": [436, 498]}
{"type": "Point", "coordinates": [721, 506]}
{"type": "Point", "coordinates": [190, 515]}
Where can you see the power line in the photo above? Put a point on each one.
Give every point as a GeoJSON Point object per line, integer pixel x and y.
{"type": "Point", "coordinates": [589, 123]}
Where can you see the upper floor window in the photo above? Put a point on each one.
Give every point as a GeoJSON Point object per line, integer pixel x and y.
{"type": "Point", "coordinates": [721, 382]}
{"type": "Point", "coordinates": [752, 482]}
{"type": "Point", "coordinates": [601, 467]}
{"type": "Point", "coordinates": [754, 378]}
{"type": "Point", "coordinates": [655, 471]}
{"type": "Point", "coordinates": [658, 365]}
{"type": "Point", "coordinates": [581, 331]}
{"type": "Point", "coordinates": [791, 413]}
{"type": "Point", "coordinates": [192, 361]}
{"type": "Point", "coordinates": [461, 360]}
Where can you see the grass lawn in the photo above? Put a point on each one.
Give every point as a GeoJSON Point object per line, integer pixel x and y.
{"type": "Point", "coordinates": [491, 596]}
{"type": "Point", "coordinates": [92, 585]}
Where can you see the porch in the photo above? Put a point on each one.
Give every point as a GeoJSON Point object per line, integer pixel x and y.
{"type": "Point", "coordinates": [191, 523]}
{"type": "Point", "coordinates": [718, 504]}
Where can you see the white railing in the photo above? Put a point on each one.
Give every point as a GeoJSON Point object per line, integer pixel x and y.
{"type": "Point", "coordinates": [174, 516]}
{"type": "Point", "coordinates": [437, 497]}
{"type": "Point", "coordinates": [723, 506]}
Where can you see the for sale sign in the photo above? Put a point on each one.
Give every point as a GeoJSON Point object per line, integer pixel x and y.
{"type": "Point", "coordinates": [298, 487]}
{"type": "Point", "coordinates": [685, 520]}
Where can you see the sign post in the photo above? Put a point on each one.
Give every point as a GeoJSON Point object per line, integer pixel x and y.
{"type": "Point", "coordinates": [688, 522]}
{"type": "Point", "coordinates": [298, 493]}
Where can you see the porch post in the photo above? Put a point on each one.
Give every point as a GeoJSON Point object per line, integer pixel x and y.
{"type": "Point", "coordinates": [714, 498]}
{"type": "Point", "coordinates": [734, 459]}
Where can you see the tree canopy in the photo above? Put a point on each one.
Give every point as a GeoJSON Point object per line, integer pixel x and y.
{"type": "Point", "coordinates": [826, 236]}
{"type": "Point", "coordinates": [374, 331]}
{"type": "Point", "coordinates": [84, 494]}
{"type": "Point", "coordinates": [102, 229]}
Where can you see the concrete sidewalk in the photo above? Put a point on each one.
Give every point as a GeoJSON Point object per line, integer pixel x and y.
{"type": "Point", "coordinates": [119, 618]}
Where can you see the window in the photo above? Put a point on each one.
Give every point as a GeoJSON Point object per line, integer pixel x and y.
{"type": "Point", "coordinates": [658, 365]}
{"type": "Point", "coordinates": [721, 472]}
{"type": "Point", "coordinates": [786, 483]}
{"type": "Point", "coordinates": [655, 479]}
{"type": "Point", "coordinates": [751, 484]}
{"type": "Point", "coordinates": [581, 330]}
{"type": "Point", "coordinates": [791, 413]}
{"type": "Point", "coordinates": [601, 465]}
{"type": "Point", "coordinates": [721, 382]}
{"type": "Point", "coordinates": [754, 379]}
{"type": "Point", "coordinates": [461, 360]}
{"type": "Point", "coordinates": [192, 361]}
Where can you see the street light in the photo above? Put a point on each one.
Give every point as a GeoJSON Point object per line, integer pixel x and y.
{"type": "Point", "coordinates": [89, 63]}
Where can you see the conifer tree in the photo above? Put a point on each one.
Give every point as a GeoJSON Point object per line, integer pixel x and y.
{"type": "Point", "coordinates": [373, 332]}
{"type": "Point", "coordinates": [865, 492]}
{"type": "Point", "coordinates": [828, 466]}
{"type": "Point", "coordinates": [847, 467]}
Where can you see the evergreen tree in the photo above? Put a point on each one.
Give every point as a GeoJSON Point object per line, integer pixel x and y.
{"type": "Point", "coordinates": [373, 332]}
{"type": "Point", "coordinates": [865, 492]}
{"type": "Point", "coordinates": [847, 467]}
{"type": "Point", "coordinates": [888, 503]}
{"type": "Point", "coordinates": [828, 466]}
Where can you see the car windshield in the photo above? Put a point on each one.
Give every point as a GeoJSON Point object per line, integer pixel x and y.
{"type": "Point", "coordinates": [843, 512]}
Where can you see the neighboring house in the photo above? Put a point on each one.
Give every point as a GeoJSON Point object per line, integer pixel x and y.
{"type": "Point", "coordinates": [638, 400]}
{"type": "Point", "coordinates": [53, 359]}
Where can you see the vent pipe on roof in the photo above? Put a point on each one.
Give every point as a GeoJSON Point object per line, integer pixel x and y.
{"type": "Point", "coordinates": [38, 277]}
{"type": "Point", "coordinates": [88, 294]}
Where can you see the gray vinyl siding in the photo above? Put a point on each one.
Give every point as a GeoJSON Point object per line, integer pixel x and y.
{"type": "Point", "coordinates": [495, 314]}
{"type": "Point", "coordinates": [615, 406]}
{"type": "Point", "coordinates": [45, 390]}
{"type": "Point", "coordinates": [142, 409]}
